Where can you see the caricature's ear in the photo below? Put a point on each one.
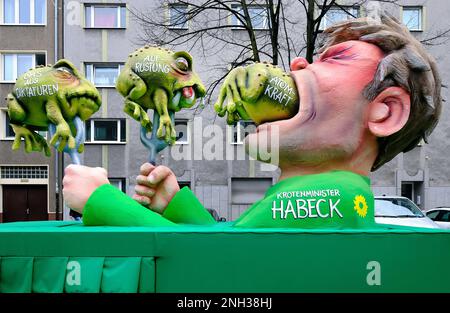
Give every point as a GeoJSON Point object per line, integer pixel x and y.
{"type": "Point", "coordinates": [389, 111]}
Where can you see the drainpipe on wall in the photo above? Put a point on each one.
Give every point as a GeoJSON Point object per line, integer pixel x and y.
{"type": "Point", "coordinates": [59, 157]}
{"type": "Point", "coordinates": [56, 30]}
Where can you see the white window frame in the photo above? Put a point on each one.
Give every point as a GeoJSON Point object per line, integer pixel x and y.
{"type": "Point", "coordinates": [352, 9]}
{"type": "Point", "coordinates": [3, 114]}
{"type": "Point", "coordinates": [122, 183]}
{"type": "Point", "coordinates": [92, 7]}
{"type": "Point", "coordinates": [169, 25]}
{"type": "Point", "coordinates": [23, 174]}
{"type": "Point", "coordinates": [410, 8]}
{"type": "Point", "coordinates": [119, 132]}
{"type": "Point", "coordinates": [16, 14]}
{"type": "Point", "coordinates": [15, 53]}
{"type": "Point", "coordinates": [238, 23]}
{"type": "Point", "coordinates": [188, 130]}
{"type": "Point", "coordinates": [237, 128]}
{"type": "Point", "coordinates": [88, 66]}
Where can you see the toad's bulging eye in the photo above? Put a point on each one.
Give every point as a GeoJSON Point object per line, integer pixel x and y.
{"type": "Point", "coordinates": [65, 70]}
{"type": "Point", "coordinates": [182, 64]}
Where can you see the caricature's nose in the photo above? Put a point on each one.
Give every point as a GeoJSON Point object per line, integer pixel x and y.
{"type": "Point", "coordinates": [298, 64]}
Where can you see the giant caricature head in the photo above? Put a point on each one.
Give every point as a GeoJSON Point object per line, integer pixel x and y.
{"type": "Point", "coordinates": [372, 93]}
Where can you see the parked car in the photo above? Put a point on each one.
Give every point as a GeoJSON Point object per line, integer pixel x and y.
{"type": "Point", "coordinates": [441, 216]}
{"type": "Point", "coordinates": [400, 211]}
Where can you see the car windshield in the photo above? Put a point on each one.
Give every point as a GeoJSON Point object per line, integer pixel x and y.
{"type": "Point", "coordinates": [396, 208]}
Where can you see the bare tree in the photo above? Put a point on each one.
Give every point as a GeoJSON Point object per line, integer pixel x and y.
{"type": "Point", "coordinates": [437, 38]}
{"type": "Point", "coordinates": [315, 13]}
{"type": "Point", "coordinates": [249, 28]}
{"type": "Point", "coordinates": [266, 29]}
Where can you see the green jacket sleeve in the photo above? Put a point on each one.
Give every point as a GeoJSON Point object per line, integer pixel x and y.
{"type": "Point", "coordinates": [185, 208]}
{"type": "Point", "coordinates": [108, 206]}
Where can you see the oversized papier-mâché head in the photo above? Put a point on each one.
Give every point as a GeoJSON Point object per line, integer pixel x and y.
{"type": "Point", "coordinates": [371, 93]}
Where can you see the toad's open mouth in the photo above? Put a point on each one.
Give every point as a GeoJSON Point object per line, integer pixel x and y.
{"type": "Point", "coordinates": [185, 95]}
{"type": "Point", "coordinates": [89, 100]}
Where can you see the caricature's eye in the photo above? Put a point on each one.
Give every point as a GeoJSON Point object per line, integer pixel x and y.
{"type": "Point", "coordinates": [65, 70]}
{"type": "Point", "coordinates": [182, 64]}
{"type": "Point", "coordinates": [332, 57]}
{"type": "Point", "coordinates": [336, 57]}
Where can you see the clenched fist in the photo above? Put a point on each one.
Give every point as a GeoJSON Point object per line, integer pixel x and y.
{"type": "Point", "coordinates": [156, 186]}
{"type": "Point", "coordinates": [80, 182]}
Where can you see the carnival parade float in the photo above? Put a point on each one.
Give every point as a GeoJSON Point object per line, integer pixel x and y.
{"type": "Point", "coordinates": [373, 93]}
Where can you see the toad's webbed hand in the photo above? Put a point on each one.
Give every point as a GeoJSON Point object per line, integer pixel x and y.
{"type": "Point", "coordinates": [166, 128]}
{"type": "Point", "coordinates": [32, 140]}
{"type": "Point", "coordinates": [138, 113]}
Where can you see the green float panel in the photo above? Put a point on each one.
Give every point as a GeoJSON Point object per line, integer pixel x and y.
{"type": "Point", "coordinates": [220, 258]}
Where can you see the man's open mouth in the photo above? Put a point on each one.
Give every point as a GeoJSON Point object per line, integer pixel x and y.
{"type": "Point", "coordinates": [264, 127]}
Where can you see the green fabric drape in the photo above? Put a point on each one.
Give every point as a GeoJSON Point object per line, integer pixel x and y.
{"type": "Point", "coordinates": [77, 274]}
{"type": "Point", "coordinates": [69, 257]}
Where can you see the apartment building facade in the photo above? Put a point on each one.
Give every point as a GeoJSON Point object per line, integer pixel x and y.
{"type": "Point", "coordinates": [30, 35]}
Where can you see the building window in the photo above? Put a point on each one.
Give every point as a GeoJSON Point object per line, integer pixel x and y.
{"type": "Point", "coordinates": [15, 64]}
{"type": "Point", "coordinates": [105, 16]}
{"type": "Point", "coordinates": [24, 172]}
{"type": "Point", "coordinates": [412, 18]}
{"type": "Point", "coordinates": [24, 12]}
{"type": "Point", "coordinates": [6, 131]}
{"type": "Point", "coordinates": [338, 14]}
{"type": "Point", "coordinates": [178, 16]}
{"type": "Point", "coordinates": [184, 184]}
{"type": "Point", "coordinates": [103, 75]}
{"type": "Point", "coordinates": [241, 130]}
{"type": "Point", "coordinates": [9, 132]}
{"type": "Point", "coordinates": [248, 190]}
{"type": "Point", "coordinates": [106, 131]}
{"type": "Point", "coordinates": [182, 129]}
{"type": "Point", "coordinates": [257, 13]}
{"type": "Point", "coordinates": [119, 183]}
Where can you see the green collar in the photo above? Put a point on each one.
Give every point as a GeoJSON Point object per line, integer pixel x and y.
{"type": "Point", "coordinates": [284, 184]}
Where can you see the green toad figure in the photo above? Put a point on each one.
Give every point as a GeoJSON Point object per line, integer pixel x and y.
{"type": "Point", "coordinates": [260, 92]}
{"type": "Point", "coordinates": [50, 95]}
{"type": "Point", "coordinates": [162, 80]}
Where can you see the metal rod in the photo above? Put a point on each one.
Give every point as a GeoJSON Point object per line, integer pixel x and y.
{"type": "Point", "coordinates": [153, 144]}
{"type": "Point", "coordinates": [79, 139]}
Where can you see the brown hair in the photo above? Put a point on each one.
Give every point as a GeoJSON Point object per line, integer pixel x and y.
{"type": "Point", "coordinates": [406, 64]}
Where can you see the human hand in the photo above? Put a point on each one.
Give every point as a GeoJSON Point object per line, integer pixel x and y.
{"type": "Point", "coordinates": [156, 186]}
{"type": "Point", "coordinates": [80, 182]}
